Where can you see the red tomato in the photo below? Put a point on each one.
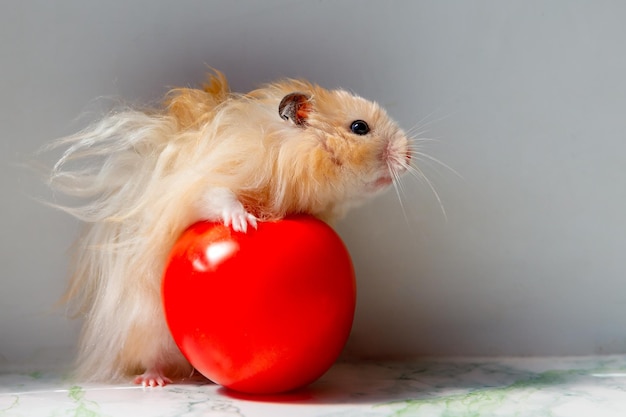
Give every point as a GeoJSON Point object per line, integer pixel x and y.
{"type": "Point", "coordinates": [266, 311]}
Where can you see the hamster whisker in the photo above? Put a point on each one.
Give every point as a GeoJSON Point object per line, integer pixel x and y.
{"type": "Point", "coordinates": [426, 121]}
{"type": "Point", "coordinates": [417, 133]}
{"type": "Point", "coordinates": [426, 157]}
{"type": "Point", "coordinates": [400, 191]}
{"type": "Point", "coordinates": [419, 174]}
{"type": "Point", "coordinates": [420, 138]}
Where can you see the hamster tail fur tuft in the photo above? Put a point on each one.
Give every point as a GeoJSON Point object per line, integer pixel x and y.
{"type": "Point", "coordinates": [115, 171]}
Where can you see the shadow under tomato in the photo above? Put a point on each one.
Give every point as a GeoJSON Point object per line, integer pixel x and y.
{"type": "Point", "coordinates": [302, 395]}
{"type": "Point", "coordinates": [342, 384]}
{"type": "Point", "coordinates": [371, 382]}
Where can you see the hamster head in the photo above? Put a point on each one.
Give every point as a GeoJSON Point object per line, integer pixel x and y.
{"type": "Point", "coordinates": [354, 150]}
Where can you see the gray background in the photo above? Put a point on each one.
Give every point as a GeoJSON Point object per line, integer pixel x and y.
{"type": "Point", "coordinates": [525, 98]}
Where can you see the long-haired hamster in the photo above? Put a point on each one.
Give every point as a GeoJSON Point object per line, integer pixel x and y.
{"type": "Point", "coordinates": [143, 176]}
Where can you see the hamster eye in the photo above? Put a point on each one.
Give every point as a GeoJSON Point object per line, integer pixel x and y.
{"type": "Point", "coordinates": [359, 127]}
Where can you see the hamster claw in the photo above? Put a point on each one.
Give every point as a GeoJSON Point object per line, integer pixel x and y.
{"type": "Point", "coordinates": [152, 378]}
{"type": "Point", "coordinates": [252, 220]}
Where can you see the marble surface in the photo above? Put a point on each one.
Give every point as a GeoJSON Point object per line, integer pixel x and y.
{"type": "Point", "coordinates": [590, 386]}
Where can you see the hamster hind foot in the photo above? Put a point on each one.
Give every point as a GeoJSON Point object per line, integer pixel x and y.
{"type": "Point", "coordinates": [153, 377]}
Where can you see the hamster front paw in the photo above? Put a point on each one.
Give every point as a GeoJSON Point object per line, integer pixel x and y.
{"type": "Point", "coordinates": [238, 218]}
{"type": "Point", "coordinates": [221, 204]}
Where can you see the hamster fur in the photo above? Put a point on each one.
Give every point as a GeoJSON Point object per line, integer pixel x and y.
{"type": "Point", "coordinates": [143, 176]}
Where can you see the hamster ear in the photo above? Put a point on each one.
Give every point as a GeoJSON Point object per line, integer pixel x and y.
{"type": "Point", "coordinates": [295, 106]}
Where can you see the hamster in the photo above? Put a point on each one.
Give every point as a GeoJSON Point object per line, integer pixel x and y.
{"type": "Point", "coordinates": [143, 176]}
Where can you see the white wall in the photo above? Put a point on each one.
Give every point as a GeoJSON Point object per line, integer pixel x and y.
{"type": "Point", "coordinates": [526, 98]}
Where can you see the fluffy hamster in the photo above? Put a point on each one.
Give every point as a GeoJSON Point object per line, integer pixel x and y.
{"type": "Point", "coordinates": [143, 176]}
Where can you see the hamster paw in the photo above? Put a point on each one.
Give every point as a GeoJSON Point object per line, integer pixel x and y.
{"type": "Point", "coordinates": [152, 378]}
{"type": "Point", "coordinates": [238, 218]}
{"type": "Point", "coordinates": [222, 204]}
